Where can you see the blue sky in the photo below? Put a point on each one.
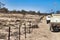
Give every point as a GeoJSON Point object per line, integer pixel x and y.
{"type": "Point", "coordinates": [34, 5]}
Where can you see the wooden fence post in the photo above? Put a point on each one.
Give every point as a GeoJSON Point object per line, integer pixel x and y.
{"type": "Point", "coordinates": [9, 34]}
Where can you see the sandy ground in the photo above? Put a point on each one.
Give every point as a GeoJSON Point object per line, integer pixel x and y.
{"type": "Point", "coordinates": [41, 33]}
{"type": "Point", "coordinates": [44, 33]}
{"type": "Point", "coordinates": [50, 35]}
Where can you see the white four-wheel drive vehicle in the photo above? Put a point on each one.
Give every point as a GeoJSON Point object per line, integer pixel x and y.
{"type": "Point", "coordinates": [55, 22]}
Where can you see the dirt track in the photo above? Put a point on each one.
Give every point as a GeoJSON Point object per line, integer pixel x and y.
{"type": "Point", "coordinates": [55, 36]}
{"type": "Point", "coordinates": [44, 33]}
{"type": "Point", "coordinates": [51, 35]}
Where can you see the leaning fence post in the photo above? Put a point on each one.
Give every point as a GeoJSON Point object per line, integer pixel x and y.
{"type": "Point", "coordinates": [25, 30]}
{"type": "Point", "coordinates": [19, 32]}
{"type": "Point", "coordinates": [9, 34]}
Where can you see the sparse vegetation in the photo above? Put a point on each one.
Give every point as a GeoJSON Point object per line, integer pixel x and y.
{"type": "Point", "coordinates": [5, 10]}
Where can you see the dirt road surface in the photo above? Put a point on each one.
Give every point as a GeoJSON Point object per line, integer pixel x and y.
{"type": "Point", "coordinates": [52, 35]}
{"type": "Point", "coordinates": [55, 36]}
{"type": "Point", "coordinates": [43, 33]}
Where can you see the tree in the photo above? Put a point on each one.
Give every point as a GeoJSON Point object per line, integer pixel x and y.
{"type": "Point", "coordinates": [57, 12]}
{"type": "Point", "coordinates": [14, 11]}
{"type": "Point", "coordinates": [4, 10]}
{"type": "Point", "coordinates": [23, 12]}
{"type": "Point", "coordinates": [38, 12]}
{"type": "Point", "coordinates": [32, 12]}
{"type": "Point", "coordinates": [18, 11]}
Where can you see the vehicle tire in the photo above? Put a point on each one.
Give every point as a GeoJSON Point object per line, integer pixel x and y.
{"type": "Point", "coordinates": [56, 29]}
